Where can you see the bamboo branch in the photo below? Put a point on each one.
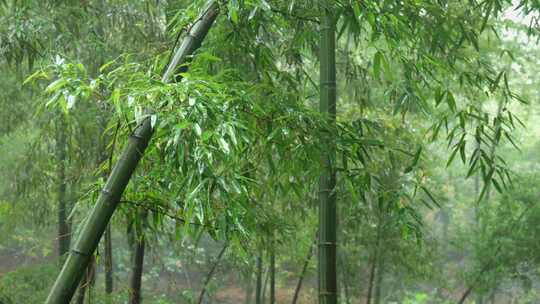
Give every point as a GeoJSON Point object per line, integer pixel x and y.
{"type": "Point", "coordinates": [211, 273]}
{"type": "Point", "coordinates": [163, 211]}
{"type": "Point", "coordinates": [304, 270]}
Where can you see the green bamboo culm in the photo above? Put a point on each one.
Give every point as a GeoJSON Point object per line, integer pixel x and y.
{"type": "Point", "coordinates": [259, 274]}
{"type": "Point", "coordinates": [327, 182]}
{"type": "Point", "coordinates": [61, 156]}
{"type": "Point", "coordinates": [94, 227]}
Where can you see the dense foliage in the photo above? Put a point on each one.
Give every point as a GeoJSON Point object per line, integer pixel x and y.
{"type": "Point", "coordinates": [430, 157]}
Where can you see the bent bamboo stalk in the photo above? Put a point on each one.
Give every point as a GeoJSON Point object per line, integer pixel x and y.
{"type": "Point", "coordinates": [94, 227]}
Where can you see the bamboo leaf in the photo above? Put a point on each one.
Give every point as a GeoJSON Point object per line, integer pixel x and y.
{"type": "Point", "coordinates": [428, 193]}
{"type": "Point", "coordinates": [377, 64]}
{"type": "Point", "coordinates": [55, 85]}
{"type": "Point", "coordinates": [415, 161]}
{"type": "Point", "coordinates": [224, 145]}
{"type": "Point", "coordinates": [34, 76]}
{"type": "Point", "coordinates": [71, 101]}
{"type": "Point", "coordinates": [451, 101]}
{"type": "Point", "coordinates": [197, 129]}
{"type": "Point", "coordinates": [153, 120]}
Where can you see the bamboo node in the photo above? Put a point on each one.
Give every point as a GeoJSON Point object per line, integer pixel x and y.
{"type": "Point", "coordinates": [328, 83]}
{"type": "Point", "coordinates": [327, 293]}
{"type": "Point", "coordinates": [133, 135]}
{"type": "Point", "coordinates": [327, 243]}
{"type": "Point", "coordinates": [75, 251]}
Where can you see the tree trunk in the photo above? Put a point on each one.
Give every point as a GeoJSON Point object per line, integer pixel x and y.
{"type": "Point", "coordinates": [210, 274]}
{"type": "Point", "coordinates": [371, 278]}
{"type": "Point", "coordinates": [137, 264]}
{"type": "Point", "coordinates": [480, 274]}
{"type": "Point", "coordinates": [492, 296]}
{"type": "Point", "coordinates": [107, 241]}
{"type": "Point", "coordinates": [136, 272]}
{"type": "Point", "coordinates": [272, 276]}
{"type": "Point", "coordinates": [479, 299]}
{"type": "Point", "coordinates": [374, 261]}
{"type": "Point", "coordinates": [258, 287]}
{"type": "Point", "coordinates": [61, 159]}
{"type": "Point", "coordinates": [108, 257]}
{"type": "Point", "coordinates": [265, 284]}
{"type": "Point", "coordinates": [346, 287]}
{"type": "Point", "coordinates": [379, 279]}
{"type": "Point", "coordinates": [303, 273]}
{"type": "Point", "coordinates": [327, 196]}
{"type": "Point", "coordinates": [108, 264]}
{"type": "Point", "coordinates": [79, 257]}
{"type": "Point", "coordinates": [345, 277]}
{"type": "Point", "coordinates": [249, 289]}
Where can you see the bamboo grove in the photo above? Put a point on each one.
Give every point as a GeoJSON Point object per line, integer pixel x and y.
{"type": "Point", "coordinates": [179, 126]}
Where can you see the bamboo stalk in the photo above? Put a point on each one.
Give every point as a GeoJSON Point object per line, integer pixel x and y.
{"type": "Point", "coordinates": [258, 288]}
{"type": "Point", "coordinates": [345, 278]}
{"type": "Point", "coordinates": [108, 263]}
{"type": "Point", "coordinates": [135, 280]}
{"type": "Point", "coordinates": [303, 273]}
{"type": "Point", "coordinates": [327, 196]}
{"type": "Point", "coordinates": [137, 271]}
{"type": "Point", "coordinates": [265, 284]}
{"type": "Point", "coordinates": [211, 274]}
{"type": "Point", "coordinates": [379, 278]}
{"type": "Point", "coordinates": [61, 157]}
{"type": "Point", "coordinates": [79, 256]}
{"type": "Point", "coordinates": [371, 278]}
{"type": "Point", "coordinates": [272, 275]}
